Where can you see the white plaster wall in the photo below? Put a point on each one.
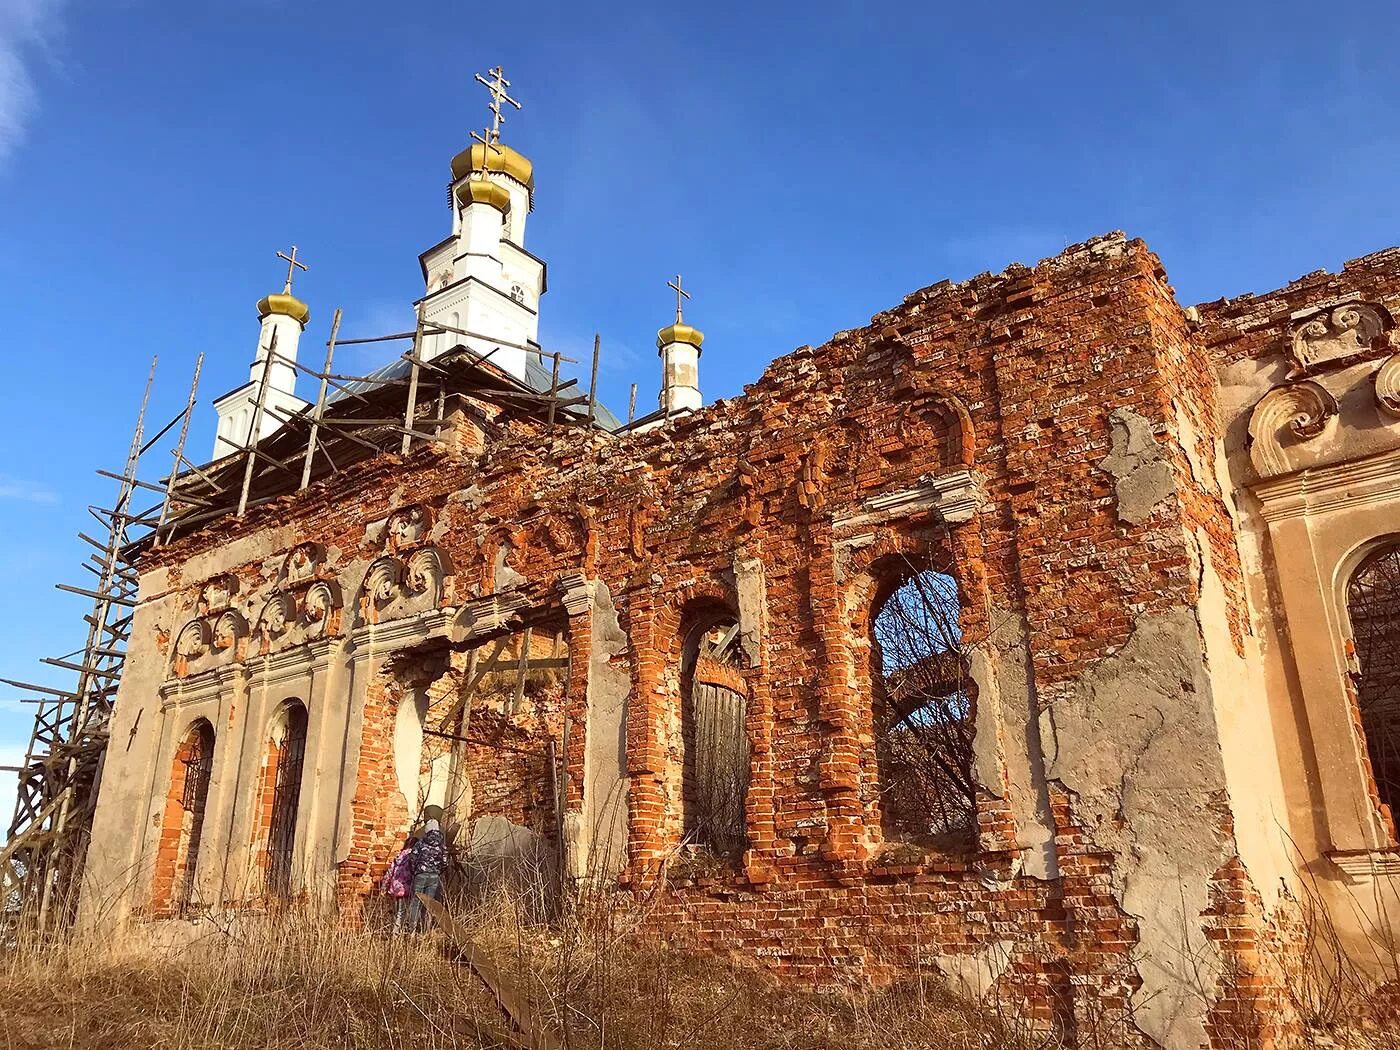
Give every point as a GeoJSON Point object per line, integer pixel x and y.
{"type": "Point", "coordinates": [409, 720]}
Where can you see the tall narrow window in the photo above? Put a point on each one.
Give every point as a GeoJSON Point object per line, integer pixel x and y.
{"type": "Point", "coordinates": [923, 714]}
{"type": "Point", "coordinates": [716, 769]}
{"type": "Point", "coordinates": [288, 754]}
{"type": "Point", "coordinates": [184, 818]}
{"type": "Point", "coordinates": [1373, 601]}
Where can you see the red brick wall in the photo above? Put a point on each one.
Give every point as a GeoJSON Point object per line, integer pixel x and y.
{"type": "Point", "coordinates": [1014, 376]}
{"type": "Point", "coordinates": [180, 832]}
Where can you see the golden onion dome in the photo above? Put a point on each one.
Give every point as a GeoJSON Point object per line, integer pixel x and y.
{"type": "Point", "coordinates": [284, 303]}
{"type": "Point", "coordinates": [483, 191]}
{"type": "Point", "coordinates": [679, 332]}
{"type": "Point", "coordinates": [503, 159]}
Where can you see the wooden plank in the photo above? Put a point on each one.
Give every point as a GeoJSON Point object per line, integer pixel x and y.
{"type": "Point", "coordinates": [536, 1033]}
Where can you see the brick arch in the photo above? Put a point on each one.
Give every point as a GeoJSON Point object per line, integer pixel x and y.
{"type": "Point", "coordinates": [183, 822]}
{"type": "Point", "coordinates": [714, 732]}
{"type": "Point", "coordinates": [874, 573]}
{"type": "Point", "coordinates": [927, 397]}
{"type": "Point", "coordinates": [655, 731]}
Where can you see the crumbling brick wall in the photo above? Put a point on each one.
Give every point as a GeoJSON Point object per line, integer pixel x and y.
{"type": "Point", "coordinates": [1080, 406]}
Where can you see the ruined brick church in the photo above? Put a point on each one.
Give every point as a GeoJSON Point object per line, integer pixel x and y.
{"type": "Point", "coordinates": [648, 654]}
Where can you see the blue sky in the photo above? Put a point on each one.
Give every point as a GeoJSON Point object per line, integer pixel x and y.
{"type": "Point", "coordinates": [802, 165]}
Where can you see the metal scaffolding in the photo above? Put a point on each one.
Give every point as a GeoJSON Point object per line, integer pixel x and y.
{"type": "Point", "coordinates": [354, 418]}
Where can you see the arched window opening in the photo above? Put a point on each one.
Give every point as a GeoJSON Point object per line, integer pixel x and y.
{"type": "Point", "coordinates": [923, 714]}
{"type": "Point", "coordinates": [1373, 602]}
{"type": "Point", "coordinates": [714, 713]}
{"type": "Point", "coordinates": [183, 828]}
{"type": "Point", "coordinates": [286, 757]}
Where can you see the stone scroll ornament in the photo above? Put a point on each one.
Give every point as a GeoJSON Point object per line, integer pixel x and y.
{"type": "Point", "coordinates": [396, 587]}
{"type": "Point", "coordinates": [1388, 386]}
{"type": "Point", "coordinates": [1284, 418]}
{"type": "Point", "coordinates": [210, 639]}
{"type": "Point", "coordinates": [304, 606]}
{"type": "Point", "coordinates": [1342, 332]}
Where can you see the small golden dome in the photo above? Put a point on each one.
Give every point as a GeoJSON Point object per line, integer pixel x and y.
{"type": "Point", "coordinates": [680, 332]}
{"type": "Point", "coordinates": [475, 158]}
{"type": "Point", "coordinates": [284, 303]}
{"type": "Point", "coordinates": [483, 191]}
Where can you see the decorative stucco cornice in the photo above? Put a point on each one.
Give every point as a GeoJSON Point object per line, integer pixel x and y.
{"type": "Point", "coordinates": [1334, 487]}
{"type": "Point", "coordinates": [291, 663]}
{"type": "Point", "coordinates": [954, 497]}
{"type": "Point", "coordinates": [206, 685]}
{"type": "Point", "coordinates": [370, 640]}
{"type": "Point", "coordinates": [1365, 865]}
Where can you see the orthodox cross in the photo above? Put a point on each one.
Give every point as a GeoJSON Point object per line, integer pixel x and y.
{"type": "Point", "coordinates": [293, 264]}
{"type": "Point", "coordinates": [488, 147]}
{"type": "Point", "coordinates": [680, 292]}
{"type": "Point", "coordinates": [497, 86]}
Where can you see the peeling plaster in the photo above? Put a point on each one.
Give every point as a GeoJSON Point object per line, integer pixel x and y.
{"type": "Point", "coordinates": [753, 606]}
{"type": "Point", "coordinates": [976, 974]}
{"type": "Point", "coordinates": [1136, 740]}
{"type": "Point", "coordinates": [1141, 477]}
{"type": "Point", "coordinates": [602, 847]}
{"type": "Point", "coordinates": [505, 577]}
{"type": "Point", "coordinates": [1007, 750]}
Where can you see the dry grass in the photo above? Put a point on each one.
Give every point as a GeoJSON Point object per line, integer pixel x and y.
{"type": "Point", "coordinates": [289, 981]}
{"type": "Point", "coordinates": [596, 977]}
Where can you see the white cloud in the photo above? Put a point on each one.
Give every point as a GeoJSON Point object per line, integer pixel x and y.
{"type": "Point", "coordinates": [27, 27]}
{"type": "Point", "coordinates": [27, 491]}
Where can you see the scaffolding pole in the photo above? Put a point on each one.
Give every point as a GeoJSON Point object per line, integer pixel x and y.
{"type": "Point", "coordinates": [41, 863]}
{"type": "Point", "coordinates": [320, 408]}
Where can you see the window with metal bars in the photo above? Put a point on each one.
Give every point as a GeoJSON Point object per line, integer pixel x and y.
{"type": "Point", "coordinates": [197, 759]}
{"type": "Point", "coordinates": [289, 753]}
{"type": "Point", "coordinates": [1373, 602]}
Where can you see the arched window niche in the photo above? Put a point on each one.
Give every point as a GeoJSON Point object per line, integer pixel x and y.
{"type": "Point", "coordinates": [183, 824]}
{"type": "Point", "coordinates": [923, 705]}
{"type": "Point", "coordinates": [714, 733]}
{"type": "Point", "coordinates": [286, 755]}
{"type": "Point", "coordinates": [1373, 607]}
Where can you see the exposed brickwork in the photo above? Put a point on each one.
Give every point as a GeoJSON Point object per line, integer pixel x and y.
{"type": "Point", "coordinates": [1012, 376]}
{"type": "Point", "coordinates": [180, 830]}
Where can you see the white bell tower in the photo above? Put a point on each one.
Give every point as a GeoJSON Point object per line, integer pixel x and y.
{"type": "Point", "coordinates": [679, 347]}
{"type": "Point", "coordinates": [284, 318]}
{"type": "Point", "coordinates": [481, 280]}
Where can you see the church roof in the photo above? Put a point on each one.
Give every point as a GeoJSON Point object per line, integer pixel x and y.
{"type": "Point", "coordinates": [537, 380]}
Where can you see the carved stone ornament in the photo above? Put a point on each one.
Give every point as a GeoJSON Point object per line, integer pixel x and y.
{"type": "Point", "coordinates": [1388, 386]}
{"type": "Point", "coordinates": [193, 641]}
{"type": "Point", "coordinates": [407, 527]}
{"type": "Point", "coordinates": [1342, 332]}
{"type": "Point", "coordinates": [382, 581]}
{"type": "Point", "coordinates": [1285, 417]}
{"type": "Point", "coordinates": [229, 629]}
{"type": "Point", "coordinates": [321, 601]}
{"type": "Point", "coordinates": [217, 594]}
{"type": "Point", "coordinates": [277, 615]}
{"type": "Point", "coordinates": [424, 571]}
{"type": "Point", "coordinates": [301, 563]}
{"type": "Point", "coordinates": [395, 587]}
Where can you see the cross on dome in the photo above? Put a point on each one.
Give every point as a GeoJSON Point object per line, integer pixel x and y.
{"type": "Point", "coordinates": [293, 264]}
{"type": "Point", "coordinates": [680, 292]}
{"type": "Point", "coordinates": [489, 146]}
{"type": "Point", "coordinates": [497, 86]}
